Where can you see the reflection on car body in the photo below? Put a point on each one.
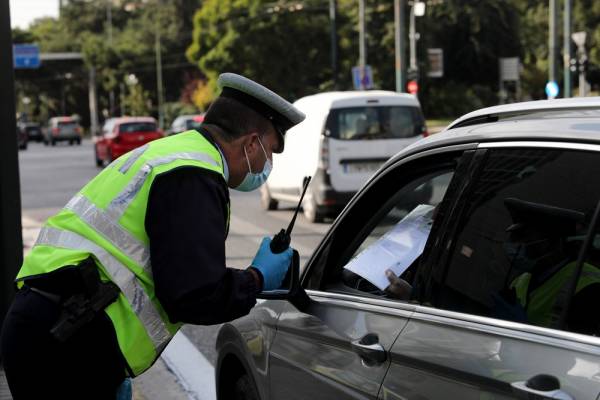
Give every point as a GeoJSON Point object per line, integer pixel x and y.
{"type": "Point", "coordinates": [515, 189]}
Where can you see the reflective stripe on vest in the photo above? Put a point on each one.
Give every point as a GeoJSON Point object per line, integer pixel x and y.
{"type": "Point", "coordinates": [126, 280]}
{"type": "Point", "coordinates": [107, 222]}
{"type": "Point", "coordinates": [118, 206]}
{"type": "Point", "coordinates": [111, 230]}
{"type": "Point", "coordinates": [133, 157]}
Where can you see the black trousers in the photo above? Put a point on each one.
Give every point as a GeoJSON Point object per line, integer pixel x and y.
{"type": "Point", "coordinates": [88, 366]}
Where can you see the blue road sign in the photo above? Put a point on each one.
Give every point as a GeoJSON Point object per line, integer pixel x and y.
{"type": "Point", "coordinates": [26, 56]}
{"type": "Point", "coordinates": [552, 89]}
{"type": "Point", "coordinates": [362, 78]}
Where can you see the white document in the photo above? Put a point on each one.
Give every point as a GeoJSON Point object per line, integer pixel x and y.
{"type": "Point", "coordinates": [396, 250]}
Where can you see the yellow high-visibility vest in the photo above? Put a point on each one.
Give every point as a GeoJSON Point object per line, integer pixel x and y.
{"type": "Point", "coordinates": [540, 302]}
{"type": "Point", "coordinates": [106, 220]}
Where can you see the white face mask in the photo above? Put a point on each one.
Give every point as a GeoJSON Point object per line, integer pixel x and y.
{"type": "Point", "coordinates": [253, 181]}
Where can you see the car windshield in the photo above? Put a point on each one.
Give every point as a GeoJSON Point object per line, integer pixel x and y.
{"type": "Point", "coordinates": [376, 122]}
{"type": "Point", "coordinates": [137, 127]}
{"type": "Point", "coordinates": [32, 129]}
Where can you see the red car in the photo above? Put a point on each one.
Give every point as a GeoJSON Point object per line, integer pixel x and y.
{"type": "Point", "coordinates": [125, 134]}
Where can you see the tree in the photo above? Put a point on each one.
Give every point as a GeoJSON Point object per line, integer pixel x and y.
{"type": "Point", "coordinates": [282, 46]}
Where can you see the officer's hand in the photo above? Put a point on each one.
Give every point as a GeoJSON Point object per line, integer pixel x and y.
{"type": "Point", "coordinates": [272, 266]}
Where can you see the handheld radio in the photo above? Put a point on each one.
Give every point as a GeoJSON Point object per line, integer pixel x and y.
{"type": "Point", "coordinates": [281, 241]}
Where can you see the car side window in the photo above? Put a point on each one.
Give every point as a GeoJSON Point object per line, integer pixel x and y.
{"type": "Point", "coordinates": [515, 250]}
{"type": "Point", "coordinates": [385, 229]}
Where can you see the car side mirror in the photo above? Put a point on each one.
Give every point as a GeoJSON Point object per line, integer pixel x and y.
{"type": "Point", "coordinates": [291, 289]}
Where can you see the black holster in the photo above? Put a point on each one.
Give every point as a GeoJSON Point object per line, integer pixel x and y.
{"type": "Point", "coordinates": [81, 307]}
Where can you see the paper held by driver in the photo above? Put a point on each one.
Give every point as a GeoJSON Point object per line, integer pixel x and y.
{"type": "Point", "coordinates": [396, 250]}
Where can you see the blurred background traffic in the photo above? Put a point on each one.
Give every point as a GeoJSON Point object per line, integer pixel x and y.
{"type": "Point", "coordinates": [92, 60]}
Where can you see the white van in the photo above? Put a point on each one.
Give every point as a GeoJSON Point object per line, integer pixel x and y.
{"type": "Point", "coordinates": [344, 139]}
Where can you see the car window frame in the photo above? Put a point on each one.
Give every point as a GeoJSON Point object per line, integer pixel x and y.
{"type": "Point", "coordinates": [446, 152]}
{"type": "Point", "coordinates": [456, 218]}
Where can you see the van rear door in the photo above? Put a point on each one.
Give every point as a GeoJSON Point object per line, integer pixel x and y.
{"type": "Point", "coordinates": [362, 138]}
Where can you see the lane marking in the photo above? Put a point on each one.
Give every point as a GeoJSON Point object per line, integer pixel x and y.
{"type": "Point", "coordinates": [193, 371]}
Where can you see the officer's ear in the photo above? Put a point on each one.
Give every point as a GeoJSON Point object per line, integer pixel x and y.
{"type": "Point", "coordinates": [251, 142]}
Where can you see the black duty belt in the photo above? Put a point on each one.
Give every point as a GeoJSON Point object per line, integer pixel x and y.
{"type": "Point", "coordinates": [82, 295]}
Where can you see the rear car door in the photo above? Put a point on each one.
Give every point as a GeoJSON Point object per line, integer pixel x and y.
{"type": "Point", "coordinates": [339, 347]}
{"type": "Point", "coordinates": [479, 333]}
{"type": "Point", "coordinates": [362, 138]}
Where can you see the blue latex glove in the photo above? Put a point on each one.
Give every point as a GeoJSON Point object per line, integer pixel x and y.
{"type": "Point", "coordinates": [272, 266]}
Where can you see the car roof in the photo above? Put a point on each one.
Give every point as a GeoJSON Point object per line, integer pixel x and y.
{"type": "Point", "coordinates": [123, 120]}
{"type": "Point", "coordinates": [356, 97]}
{"type": "Point", "coordinates": [63, 118]}
{"type": "Point", "coordinates": [526, 108]}
{"type": "Point", "coordinates": [574, 125]}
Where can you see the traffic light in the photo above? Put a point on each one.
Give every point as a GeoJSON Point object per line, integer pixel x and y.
{"type": "Point", "coordinates": [412, 87]}
{"type": "Point", "coordinates": [573, 65]}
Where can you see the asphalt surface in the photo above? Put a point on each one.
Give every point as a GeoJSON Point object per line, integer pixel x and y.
{"type": "Point", "coordinates": [50, 176]}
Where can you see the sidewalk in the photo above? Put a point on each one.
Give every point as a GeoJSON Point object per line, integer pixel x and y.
{"type": "Point", "coordinates": [156, 383]}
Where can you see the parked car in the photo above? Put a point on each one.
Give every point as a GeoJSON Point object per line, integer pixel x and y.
{"type": "Point", "coordinates": [61, 129]}
{"type": "Point", "coordinates": [21, 139]}
{"type": "Point", "coordinates": [344, 139]}
{"type": "Point", "coordinates": [122, 135]}
{"type": "Point", "coordinates": [32, 130]}
{"type": "Point", "coordinates": [185, 122]}
{"type": "Point", "coordinates": [494, 308]}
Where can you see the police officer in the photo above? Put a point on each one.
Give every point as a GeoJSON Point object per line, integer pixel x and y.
{"type": "Point", "coordinates": [140, 250]}
{"type": "Point", "coordinates": [542, 268]}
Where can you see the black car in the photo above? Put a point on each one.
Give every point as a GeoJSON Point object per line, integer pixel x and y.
{"type": "Point", "coordinates": [32, 130]}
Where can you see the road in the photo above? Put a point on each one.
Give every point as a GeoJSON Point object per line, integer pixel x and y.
{"type": "Point", "coordinates": [51, 175]}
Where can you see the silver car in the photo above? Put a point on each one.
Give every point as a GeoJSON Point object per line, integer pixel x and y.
{"type": "Point", "coordinates": [60, 129]}
{"type": "Point", "coordinates": [494, 272]}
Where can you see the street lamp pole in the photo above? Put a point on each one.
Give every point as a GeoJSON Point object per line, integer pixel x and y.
{"type": "Point", "coordinates": [400, 64]}
{"type": "Point", "coordinates": [334, 56]}
{"type": "Point", "coordinates": [159, 76]}
{"type": "Point", "coordinates": [413, 39]}
{"type": "Point", "coordinates": [552, 41]}
{"type": "Point", "coordinates": [111, 94]}
{"type": "Point", "coordinates": [362, 47]}
{"type": "Point", "coordinates": [567, 50]}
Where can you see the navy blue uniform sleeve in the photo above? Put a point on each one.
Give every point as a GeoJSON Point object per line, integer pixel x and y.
{"type": "Point", "coordinates": [186, 224]}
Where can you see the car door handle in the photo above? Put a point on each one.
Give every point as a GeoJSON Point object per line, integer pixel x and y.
{"type": "Point", "coordinates": [540, 387]}
{"type": "Point", "coordinates": [369, 349]}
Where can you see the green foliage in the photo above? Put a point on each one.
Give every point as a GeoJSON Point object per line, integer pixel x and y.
{"type": "Point", "coordinates": [137, 102]}
{"type": "Point", "coordinates": [284, 49]}
{"type": "Point", "coordinates": [285, 44]}
{"type": "Point", "coordinates": [82, 27]}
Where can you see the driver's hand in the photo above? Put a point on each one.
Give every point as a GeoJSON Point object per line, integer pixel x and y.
{"type": "Point", "coordinates": [398, 288]}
